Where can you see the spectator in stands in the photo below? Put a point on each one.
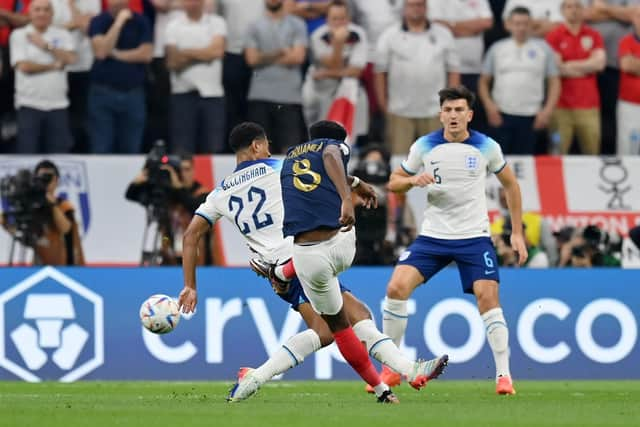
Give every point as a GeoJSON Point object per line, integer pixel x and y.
{"type": "Point", "coordinates": [628, 135]}
{"type": "Point", "coordinates": [194, 50]}
{"type": "Point", "coordinates": [40, 54]}
{"type": "Point", "coordinates": [11, 16]}
{"type": "Point", "coordinates": [236, 74]}
{"type": "Point", "coordinates": [338, 50]}
{"type": "Point", "coordinates": [538, 231]}
{"type": "Point", "coordinates": [580, 55]}
{"type": "Point", "coordinates": [468, 21]}
{"type": "Point", "coordinates": [122, 46]}
{"type": "Point", "coordinates": [374, 16]}
{"type": "Point", "coordinates": [519, 68]}
{"type": "Point", "coordinates": [275, 49]}
{"type": "Point", "coordinates": [312, 11]}
{"type": "Point", "coordinates": [611, 19]}
{"type": "Point", "coordinates": [507, 257]}
{"type": "Point", "coordinates": [158, 89]}
{"type": "Point", "coordinates": [546, 14]}
{"type": "Point", "coordinates": [415, 60]}
{"type": "Point", "coordinates": [75, 17]}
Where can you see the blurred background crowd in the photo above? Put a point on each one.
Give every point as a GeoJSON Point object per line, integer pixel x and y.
{"type": "Point", "coordinates": [114, 76]}
{"type": "Point", "coordinates": [118, 76]}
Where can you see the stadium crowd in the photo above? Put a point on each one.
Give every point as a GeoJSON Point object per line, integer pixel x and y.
{"type": "Point", "coordinates": [113, 76]}
{"type": "Point", "coordinates": [116, 76]}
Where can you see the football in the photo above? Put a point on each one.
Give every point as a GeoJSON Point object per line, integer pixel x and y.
{"type": "Point", "coordinates": [160, 314]}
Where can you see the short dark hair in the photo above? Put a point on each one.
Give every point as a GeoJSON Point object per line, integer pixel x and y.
{"type": "Point", "coordinates": [47, 164]}
{"type": "Point", "coordinates": [520, 10]}
{"type": "Point", "coordinates": [457, 92]}
{"type": "Point", "coordinates": [327, 129]}
{"type": "Point", "coordinates": [244, 134]}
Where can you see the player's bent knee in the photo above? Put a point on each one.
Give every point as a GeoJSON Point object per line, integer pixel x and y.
{"type": "Point", "coordinates": [404, 281]}
{"type": "Point", "coordinates": [356, 309]}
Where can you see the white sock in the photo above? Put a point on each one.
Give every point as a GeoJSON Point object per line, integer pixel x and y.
{"type": "Point", "coordinates": [382, 348]}
{"type": "Point", "coordinates": [394, 319]}
{"type": "Point", "coordinates": [380, 388]}
{"type": "Point", "coordinates": [292, 353]}
{"type": "Point", "coordinates": [498, 338]}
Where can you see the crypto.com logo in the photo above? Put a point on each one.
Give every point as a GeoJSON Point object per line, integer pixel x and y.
{"type": "Point", "coordinates": [43, 331]}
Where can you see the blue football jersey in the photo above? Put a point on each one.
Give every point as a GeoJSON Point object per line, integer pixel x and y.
{"type": "Point", "coordinates": [310, 199]}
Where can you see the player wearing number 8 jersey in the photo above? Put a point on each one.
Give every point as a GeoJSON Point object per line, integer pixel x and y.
{"type": "Point", "coordinates": [455, 162]}
{"type": "Point", "coordinates": [251, 198]}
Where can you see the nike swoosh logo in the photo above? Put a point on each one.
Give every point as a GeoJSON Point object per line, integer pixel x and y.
{"type": "Point", "coordinates": [489, 271]}
{"type": "Point", "coordinates": [435, 163]}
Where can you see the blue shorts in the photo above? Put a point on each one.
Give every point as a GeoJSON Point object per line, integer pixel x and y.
{"type": "Point", "coordinates": [475, 257]}
{"type": "Point", "coordinates": [296, 296]}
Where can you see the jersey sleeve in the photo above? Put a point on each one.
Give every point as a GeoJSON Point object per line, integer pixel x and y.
{"type": "Point", "coordinates": [495, 159]}
{"type": "Point", "coordinates": [413, 163]}
{"type": "Point", "coordinates": [624, 47]}
{"type": "Point", "coordinates": [551, 66]}
{"type": "Point", "coordinates": [210, 210]}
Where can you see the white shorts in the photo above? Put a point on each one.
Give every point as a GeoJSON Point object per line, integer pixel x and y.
{"type": "Point", "coordinates": [628, 128]}
{"type": "Point", "coordinates": [317, 267]}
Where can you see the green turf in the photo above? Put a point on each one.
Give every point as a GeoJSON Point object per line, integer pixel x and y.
{"type": "Point", "coordinates": [327, 404]}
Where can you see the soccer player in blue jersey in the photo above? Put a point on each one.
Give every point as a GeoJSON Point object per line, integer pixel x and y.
{"type": "Point", "coordinates": [251, 198]}
{"type": "Point", "coordinates": [319, 215]}
{"type": "Point", "coordinates": [455, 162]}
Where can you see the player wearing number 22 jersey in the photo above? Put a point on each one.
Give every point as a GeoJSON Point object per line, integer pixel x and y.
{"type": "Point", "coordinates": [251, 198]}
{"type": "Point", "coordinates": [452, 164]}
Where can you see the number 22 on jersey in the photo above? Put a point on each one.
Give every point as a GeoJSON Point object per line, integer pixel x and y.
{"type": "Point", "coordinates": [245, 219]}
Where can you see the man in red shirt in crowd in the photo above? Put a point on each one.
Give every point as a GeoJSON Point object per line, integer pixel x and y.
{"type": "Point", "coordinates": [629, 94]}
{"type": "Point", "coordinates": [12, 15]}
{"type": "Point", "coordinates": [581, 55]}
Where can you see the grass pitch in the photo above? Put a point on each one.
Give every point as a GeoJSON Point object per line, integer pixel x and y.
{"type": "Point", "coordinates": [326, 404]}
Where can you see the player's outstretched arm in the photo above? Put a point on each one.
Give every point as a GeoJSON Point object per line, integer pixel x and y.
{"type": "Point", "coordinates": [514, 201]}
{"type": "Point", "coordinates": [401, 182]}
{"type": "Point", "coordinates": [332, 159]}
{"type": "Point", "coordinates": [197, 228]}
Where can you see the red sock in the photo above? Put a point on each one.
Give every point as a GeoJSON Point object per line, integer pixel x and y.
{"type": "Point", "coordinates": [355, 354]}
{"type": "Point", "coordinates": [289, 270]}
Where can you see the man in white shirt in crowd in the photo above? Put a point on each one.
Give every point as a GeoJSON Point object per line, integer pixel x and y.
{"type": "Point", "coordinates": [75, 16]}
{"type": "Point", "coordinates": [236, 74]}
{"type": "Point", "coordinates": [374, 16]}
{"type": "Point", "coordinates": [519, 67]}
{"type": "Point", "coordinates": [338, 50]}
{"type": "Point", "coordinates": [194, 51]}
{"type": "Point", "coordinates": [415, 57]}
{"type": "Point", "coordinates": [546, 14]}
{"type": "Point", "coordinates": [468, 21]}
{"type": "Point", "coordinates": [40, 54]}
{"type": "Point", "coordinates": [276, 49]}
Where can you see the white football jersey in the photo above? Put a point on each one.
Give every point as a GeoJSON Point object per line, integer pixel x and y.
{"type": "Point", "coordinates": [456, 203]}
{"type": "Point", "coordinates": [251, 198]}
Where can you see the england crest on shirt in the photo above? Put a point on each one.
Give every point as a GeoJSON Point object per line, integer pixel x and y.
{"type": "Point", "coordinates": [471, 162]}
{"type": "Point", "coordinates": [586, 42]}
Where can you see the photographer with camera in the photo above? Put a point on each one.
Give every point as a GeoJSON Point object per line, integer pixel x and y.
{"type": "Point", "coordinates": [591, 247]}
{"type": "Point", "coordinates": [507, 257]}
{"type": "Point", "coordinates": [37, 218]}
{"type": "Point", "coordinates": [167, 188]}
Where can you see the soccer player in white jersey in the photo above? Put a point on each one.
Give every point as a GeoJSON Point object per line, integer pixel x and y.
{"type": "Point", "coordinates": [251, 198]}
{"type": "Point", "coordinates": [455, 162]}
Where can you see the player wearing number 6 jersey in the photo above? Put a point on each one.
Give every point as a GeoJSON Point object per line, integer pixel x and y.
{"type": "Point", "coordinates": [455, 162]}
{"type": "Point", "coordinates": [251, 198]}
